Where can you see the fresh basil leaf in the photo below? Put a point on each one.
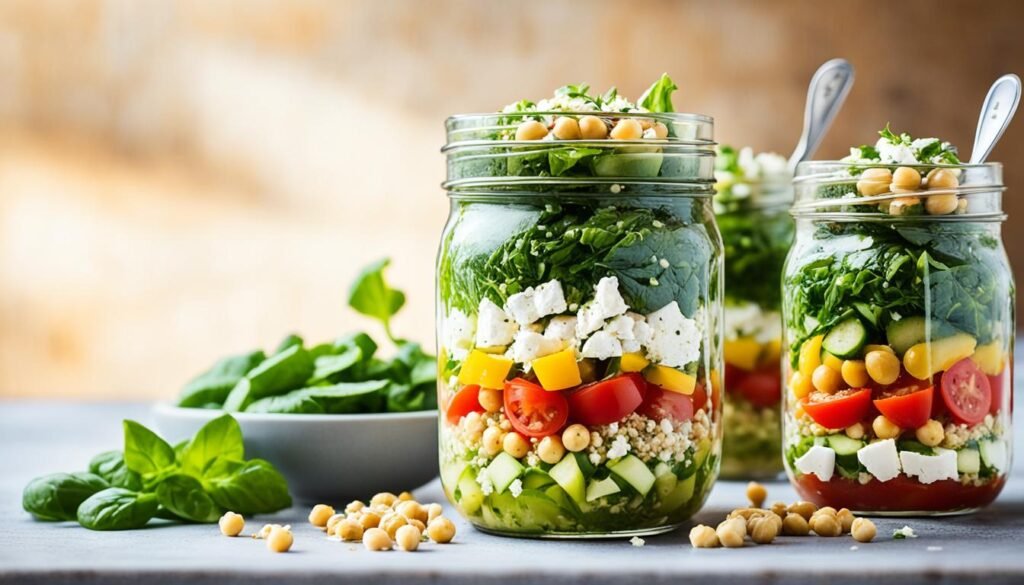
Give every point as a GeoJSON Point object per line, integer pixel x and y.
{"type": "Point", "coordinates": [221, 437]}
{"type": "Point", "coordinates": [57, 496]}
{"type": "Point", "coordinates": [117, 509]}
{"type": "Point", "coordinates": [145, 452]}
{"type": "Point", "coordinates": [658, 97]}
{"type": "Point", "coordinates": [112, 468]}
{"type": "Point", "coordinates": [289, 341]}
{"type": "Point", "coordinates": [183, 496]}
{"type": "Point", "coordinates": [361, 340]}
{"type": "Point", "coordinates": [278, 374]}
{"type": "Point", "coordinates": [214, 385]}
{"type": "Point", "coordinates": [327, 367]}
{"type": "Point", "coordinates": [341, 398]}
{"type": "Point", "coordinates": [371, 295]}
{"type": "Point", "coordinates": [254, 488]}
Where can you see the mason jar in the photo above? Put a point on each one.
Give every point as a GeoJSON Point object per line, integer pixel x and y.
{"type": "Point", "coordinates": [578, 325]}
{"type": "Point", "coordinates": [752, 200]}
{"type": "Point", "coordinates": [899, 321]}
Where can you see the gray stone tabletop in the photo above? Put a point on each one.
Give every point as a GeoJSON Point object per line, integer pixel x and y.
{"type": "Point", "coordinates": [43, 437]}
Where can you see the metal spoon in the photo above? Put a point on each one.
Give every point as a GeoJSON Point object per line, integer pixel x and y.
{"type": "Point", "coordinates": [825, 96]}
{"type": "Point", "coordinates": [996, 113]}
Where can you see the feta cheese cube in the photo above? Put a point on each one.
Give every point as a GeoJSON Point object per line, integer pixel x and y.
{"type": "Point", "coordinates": [621, 328]}
{"type": "Point", "coordinates": [607, 297]}
{"type": "Point", "coordinates": [620, 447]}
{"type": "Point", "coordinates": [548, 299]}
{"type": "Point", "coordinates": [457, 333]}
{"type": "Point", "coordinates": [530, 345]}
{"type": "Point", "coordinates": [522, 307]}
{"type": "Point", "coordinates": [588, 320]}
{"type": "Point", "coordinates": [563, 328]}
{"type": "Point", "coordinates": [819, 460]}
{"type": "Point", "coordinates": [880, 459]}
{"type": "Point", "coordinates": [637, 541]}
{"type": "Point", "coordinates": [516, 487]}
{"type": "Point", "coordinates": [631, 346]}
{"type": "Point", "coordinates": [494, 327]}
{"type": "Point", "coordinates": [602, 345]}
{"type": "Point", "coordinates": [995, 454]}
{"type": "Point", "coordinates": [930, 468]}
{"type": "Point", "coordinates": [675, 340]}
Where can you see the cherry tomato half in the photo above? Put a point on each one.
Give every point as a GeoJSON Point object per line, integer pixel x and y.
{"type": "Point", "coordinates": [532, 410]}
{"type": "Point", "coordinates": [608, 401]}
{"type": "Point", "coordinates": [660, 404]}
{"type": "Point", "coordinates": [839, 410]}
{"type": "Point", "coordinates": [966, 392]}
{"type": "Point", "coordinates": [762, 388]}
{"type": "Point", "coordinates": [465, 401]}
{"type": "Point", "coordinates": [908, 407]}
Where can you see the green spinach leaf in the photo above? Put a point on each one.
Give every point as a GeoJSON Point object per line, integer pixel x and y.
{"type": "Point", "coordinates": [214, 385]}
{"type": "Point", "coordinates": [112, 467]}
{"type": "Point", "coordinates": [280, 373]}
{"type": "Point", "coordinates": [57, 496]}
{"type": "Point", "coordinates": [658, 97]}
{"type": "Point", "coordinates": [117, 509]}
{"type": "Point", "coordinates": [371, 295]}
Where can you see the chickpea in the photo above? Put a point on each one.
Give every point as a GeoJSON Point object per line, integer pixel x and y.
{"type": "Point", "coordinates": [779, 509]}
{"type": "Point", "coordinates": [763, 530]}
{"type": "Point", "coordinates": [405, 496]}
{"type": "Point", "coordinates": [731, 532]}
{"type": "Point", "coordinates": [421, 526]}
{"type": "Point", "coordinates": [961, 206]}
{"type": "Point", "coordinates": [354, 506]}
{"type": "Point", "coordinates": [280, 540]}
{"type": "Point", "coordinates": [376, 539]}
{"type": "Point", "coordinates": [874, 182]}
{"type": "Point", "coordinates": [391, 523]}
{"type": "Point", "coordinates": [885, 428]}
{"type": "Point", "coordinates": [349, 530]}
{"type": "Point", "coordinates": [383, 499]}
{"type": "Point", "coordinates": [516, 445]}
{"type": "Point", "coordinates": [412, 510]}
{"type": "Point", "coordinates": [942, 179]}
{"type": "Point", "coordinates": [756, 493]}
{"type": "Point", "coordinates": [795, 525]}
{"type": "Point", "coordinates": [845, 517]}
{"type": "Point", "coordinates": [441, 530]}
{"type": "Point", "coordinates": [931, 433]}
{"type": "Point", "coordinates": [826, 380]}
{"type": "Point", "coordinates": [941, 204]}
{"type": "Point", "coordinates": [882, 366]}
{"type": "Point", "coordinates": [902, 205]}
{"type": "Point", "coordinates": [266, 530]}
{"type": "Point", "coordinates": [492, 441]}
{"type": "Point", "coordinates": [660, 131]}
{"type": "Point", "coordinates": [320, 514]}
{"type": "Point", "coordinates": [433, 511]}
{"type": "Point", "coordinates": [627, 129]}
{"type": "Point", "coordinates": [825, 510]}
{"type": "Point", "coordinates": [567, 129]}
{"type": "Point", "coordinates": [550, 449]}
{"type": "Point", "coordinates": [854, 373]}
{"type": "Point", "coordinates": [369, 520]}
{"type": "Point", "coordinates": [531, 130]}
{"type": "Point", "coordinates": [474, 425]}
{"type": "Point", "coordinates": [826, 525]}
{"type": "Point", "coordinates": [905, 179]}
{"type": "Point", "coordinates": [863, 530]}
{"type": "Point", "coordinates": [231, 524]}
{"type": "Point", "coordinates": [856, 431]}
{"type": "Point", "coordinates": [874, 347]}
{"type": "Point", "coordinates": [801, 385]}
{"type": "Point", "coordinates": [804, 509]}
{"type": "Point", "coordinates": [576, 438]}
{"type": "Point", "coordinates": [593, 128]}
{"type": "Point", "coordinates": [490, 399]}
{"type": "Point", "coordinates": [408, 538]}
{"type": "Point", "coordinates": [333, 521]}
{"type": "Point", "coordinates": [702, 536]}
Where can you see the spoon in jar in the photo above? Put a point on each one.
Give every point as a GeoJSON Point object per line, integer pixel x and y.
{"type": "Point", "coordinates": [825, 96]}
{"type": "Point", "coordinates": [996, 113]}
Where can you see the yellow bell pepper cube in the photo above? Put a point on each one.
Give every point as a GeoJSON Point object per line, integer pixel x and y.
{"type": "Point", "coordinates": [489, 371]}
{"type": "Point", "coordinates": [557, 371]}
{"type": "Point", "coordinates": [633, 362]}
{"type": "Point", "coordinates": [810, 356]}
{"type": "Point", "coordinates": [834, 363]}
{"type": "Point", "coordinates": [742, 353]}
{"type": "Point", "coordinates": [989, 358]}
{"type": "Point", "coordinates": [671, 379]}
{"type": "Point", "coordinates": [925, 359]}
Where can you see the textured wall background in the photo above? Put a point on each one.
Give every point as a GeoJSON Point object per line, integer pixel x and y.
{"type": "Point", "coordinates": [182, 179]}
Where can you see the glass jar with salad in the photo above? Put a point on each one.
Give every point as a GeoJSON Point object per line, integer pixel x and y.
{"type": "Point", "coordinates": [579, 281]}
{"type": "Point", "coordinates": [898, 304]}
{"type": "Point", "coordinates": [753, 195]}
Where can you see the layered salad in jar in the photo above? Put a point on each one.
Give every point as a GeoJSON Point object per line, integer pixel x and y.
{"type": "Point", "coordinates": [753, 194]}
{"type": "Point", "coordinates": [576, 332]}
{"type": "Point", "coordinates": [898, 305]}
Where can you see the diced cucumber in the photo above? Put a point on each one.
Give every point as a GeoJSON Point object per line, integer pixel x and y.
{"type": "Point", "coordinates": [536, 479]}
{"type": "Point", "coordinates": [846, 338]}
{"type": "Point", "coordinates": [664, 483]}
{"type": "Point", "coordinates": [968, 461]}
{"type": "Point", "coordinates": [906, 333]}
{"type": "Point", "coordinates": [470, 495]}
{"type": "Point", "coordinates": [993, 454]}
{"type": "Point", "coordinates": [915, 447]}
{"type": "Point", "coordinates": [634, 472]}
{"type": "Point", "coordinates": [663, 469]}
{"type": "Point", "coordinates": [503, 471]}
{"type": "Point", "coordinates": [450, 475]}
{"type": "Point", "coordinates": [601, 488]}
{"type": "Point", "coordinates": [844, 445]}
{"type": "Point", "coordinates": [701, 452]}
{"type": "Point", "coordinates": [567, 474]}
{"type": "Point", "coordinates": [680, 494]}
{"type": "Point", "coordinates": [628, 165]}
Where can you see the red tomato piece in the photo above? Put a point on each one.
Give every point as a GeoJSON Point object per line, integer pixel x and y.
{"type": "Point", "coordinates": [997, 383]}
{"type": "Point", "coordinates": [532, 410]}
{"type": "Point", "coordinates": [660, 404]}
{"type": "Point", "coordinates": [966, 392]}
{"type": "Point", "coordinates": [733, 377]}
{"type": "Point", "coordinates": [465, 401]}
{"type": "Point", "coordinates": [699, 397]}
{"type": "Point", "coordinates": [607, 401]}
{"type": "Point", "coordinates": [907, 408]}
{"type": "Point", "coordinates": [762, 388]}
{"type": "Point", "coordinates": [839, 410]}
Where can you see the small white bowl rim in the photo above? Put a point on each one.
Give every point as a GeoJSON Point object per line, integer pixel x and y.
{"type": "Point", "coordinates": [169, 409]}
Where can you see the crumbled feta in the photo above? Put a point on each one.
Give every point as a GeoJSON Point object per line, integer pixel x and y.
{"type": "Point", "coordinates": [637, 541]}
{"type": "Point", "coordinates": [522, 307]}
{"type": "Point", "coordinates": [621, 328]}
{"type": "Point", "coordinates": [602, 345]}
{"type": "Point", "coordinates": [493, 325]}
{"type": "Point", "coordinates": [889, 153]}
{"type": "Point", "coordinates": [620, 447]}
{"type": "Point", "coordinates": [905, 532]}
{"type": "Point", "coordinates": [675, 340]}
{"type": "Point", "coordinates": [666, 426]}
{"type": "Point", "coordinates": [819, 460]}
{"type": "Point", "coordinates": [750, 320]}
{"type": "Point", "coordinates": [880, 459]}
{"type": "Point", "coordinates": [457, 333]}
{"type": "Point", "coordinates": [530, 345]}
{"type": "Point", "coordinates": [930, 468]}
{"type": "Point", "coordinates": [484, 481]}
{"type": "Point", "coordinates": [594, 457]}
{"type": "Point", "coordinates": [549, 299]}
{"type": "Point", "coordinates": [607, 297]}
{"type": "Point", "coordinates": [588, 319]}
{"type": "Point", "coordinates": [516, 487]}
{"type": "Point", "coordinates": [563, 328]}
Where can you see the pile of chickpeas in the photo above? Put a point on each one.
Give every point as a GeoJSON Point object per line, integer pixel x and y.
{"type": "Point", "coordinates": [279, 538]}
{"type": "Point", "coordinates": [762, 525]}
{"type": "Point", "coordinates": [387, 521]}
{"type": "Point", "coordinates": [907, 180]}
{"type": "Point", "coordinates": [592, 128]}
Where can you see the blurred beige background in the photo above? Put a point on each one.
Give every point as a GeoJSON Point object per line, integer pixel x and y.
{"type": "Point", "coordinates": [183, 179]}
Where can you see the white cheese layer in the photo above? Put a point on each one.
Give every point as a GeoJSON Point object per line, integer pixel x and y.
{"type": "Point", "coordinates": [494, 327]}
{"type": "Point", "coordinates": [819, 460]}
{"type": "Point", "coordinates": [880, 459]}
{"type": "Point", "coordinates": [457, 333]}
{"type": "Point", "coordinates": [675, 340]}
{"type": "Point", "coordinates": [930, 468]}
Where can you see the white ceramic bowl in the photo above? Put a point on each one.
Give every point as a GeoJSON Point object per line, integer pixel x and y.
{"type": "Point", "coordinates": [329, 458]}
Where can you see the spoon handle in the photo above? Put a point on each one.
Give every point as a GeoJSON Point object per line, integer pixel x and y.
{"type": "Point", "coordinates": [996, 113]}
{"type": "Point", "coordinates": [825, 95]}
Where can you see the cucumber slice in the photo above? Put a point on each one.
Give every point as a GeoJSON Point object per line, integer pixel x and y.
{"type": "Point", "coordinates": [536, 479]}
{"type": "Point", "coordinates": [680, 494]}
{"type": "Point", "coordinates": [968, 461]}
{"type": "Point", "coordinates": [846, 339]}
{"type": "Point", "coordinates": [993, 454]}
{"type": "Point", "coordinates": [905, 333]}
{"type": "Point", "coordinates": [471, 497]}
{"type": "Point", "coordinates": [844, 445]}
{"type": "Point", "coordinates": [601, 488]}
{"type": "Point", "coordinates": [645, 164]}
{"type": "Point", "coordinates": [503, 471]}
{"type": "Point", "coordinates": [634, 472]}
{"type": "Point", "coordinates": [567, 474]}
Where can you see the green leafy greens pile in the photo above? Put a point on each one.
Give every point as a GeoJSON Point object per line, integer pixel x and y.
{"type": "Point", "coordinates": [194, 481]}
{"type": "Point", "coordinates": [343, 376]}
